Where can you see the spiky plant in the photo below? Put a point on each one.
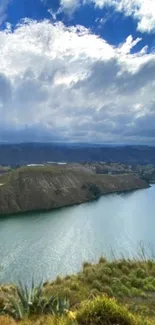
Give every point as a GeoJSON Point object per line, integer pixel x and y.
{"type": "Point", "coordinates": [32, 301]}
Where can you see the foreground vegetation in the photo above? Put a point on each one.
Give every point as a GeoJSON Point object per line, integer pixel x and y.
{"type": "Point", "coordinates": [119, 292]}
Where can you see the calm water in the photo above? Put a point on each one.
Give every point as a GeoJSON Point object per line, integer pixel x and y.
{"type": "Point", "coordinates": [47, 244]}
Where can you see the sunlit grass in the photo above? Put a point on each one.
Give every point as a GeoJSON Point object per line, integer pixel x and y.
{"type": "Point", "coordinates": [131, 282]}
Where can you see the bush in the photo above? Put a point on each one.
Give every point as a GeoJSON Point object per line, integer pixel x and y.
{"type": "Point", "coordinates": [105, 279]}
{"type": "Point", "coordinates": [67, 277]}
{"type": "Point", "coordinates": [137, 283]}
{"type": "Point", "coordinates": [58, 280]}
{"type": "Point", "coordinates": [102, 260]}
{"type": "Point", "coordinates": [135, 292]}
{"type": "Point", "coordinates": [97, 285]}
{"type": "Point", "coordinates": [86, 264]}
{"type": "Point", "coordinates": [125, 270]}
{"type": "Point", "coordinates": [116, 281]}
{"type": "Point", "coordinates": [108, 291]}
{"type": "Point", "coordinates": [94, 293]}
{"type": "Point", "coordinates": [125, 291]}
{"type": "Point", "coordinates": [101, 271]}
{"type": "Point", "coordinates": [149, 287]}
{"type": "Point", "coordinates": [140, 273]}
{"type": "Point", "coordinates": [107, 270]}
{"type": "Point", "coordinates": [124, 279]}
{"type": "Point", "coordinates": [87, 270]}
{"type": "Point", "coordinates": [74, 286]}
{"type": "Point", "coordinates": [103, 310]}
{"type": "Point", "coordinates": [91, 276]}
{"type": "Point", "coordinates": [31, 301]}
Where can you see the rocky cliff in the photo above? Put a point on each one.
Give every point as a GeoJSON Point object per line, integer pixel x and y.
{"type": "Point", "coordinates": [44, 188]}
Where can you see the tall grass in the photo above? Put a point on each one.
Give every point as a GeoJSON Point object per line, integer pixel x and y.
{"type": "Point", "coordinates": [30, 301]}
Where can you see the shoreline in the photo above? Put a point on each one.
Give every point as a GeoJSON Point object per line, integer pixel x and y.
{"type": "Point", "coordinates": [30, 212]}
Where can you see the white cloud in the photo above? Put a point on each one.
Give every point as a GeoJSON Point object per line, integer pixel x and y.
{"type": "Point", "coordinates": [59, 83]}
{"type": "Point", "coordinates": [69, 6]}
{"type": "Point", "coordinates": [129, 44]}
{"type": "Point", "coordinates": [141, 10]}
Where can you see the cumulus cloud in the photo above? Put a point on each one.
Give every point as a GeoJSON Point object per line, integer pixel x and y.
{"type": "Point", "coordinates": [143, 11]}
{"type": "Point", "coordinates": [65, 83]}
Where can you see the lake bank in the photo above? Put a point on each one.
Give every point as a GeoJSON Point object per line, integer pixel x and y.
{"type": "Point", "coordinates": [46, 188]}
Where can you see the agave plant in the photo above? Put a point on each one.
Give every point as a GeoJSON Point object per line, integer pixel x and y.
{"type": "Point", "coordinates": [32, 301]}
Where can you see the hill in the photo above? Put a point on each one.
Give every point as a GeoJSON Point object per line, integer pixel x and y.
{"type": "Point", "coordinates": [48, 187]}
{"type": "Point", "coordinates": [28, 153]}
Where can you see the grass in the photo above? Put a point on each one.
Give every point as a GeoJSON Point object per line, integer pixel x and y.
{"type": "Point", "coordinates": [97, 311]}
{"type": "Point", "coordinates": [131, 282]}
{"type": "Point", "coordinates": [107, 284]}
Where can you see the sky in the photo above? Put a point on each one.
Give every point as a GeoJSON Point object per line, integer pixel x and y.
{"type": "Point", "coordinates": [77, 71]}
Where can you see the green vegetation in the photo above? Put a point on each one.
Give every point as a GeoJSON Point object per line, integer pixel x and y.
{"type": "Point", "coordinates": [117, 292]}
{"type": "Point", "coordinates": [29, 301]}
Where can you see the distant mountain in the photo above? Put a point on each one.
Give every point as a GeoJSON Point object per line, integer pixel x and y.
{"type": "Point", "coordinates": [29, 153]}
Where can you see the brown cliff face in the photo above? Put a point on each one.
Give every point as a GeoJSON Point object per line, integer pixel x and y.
{"type": "Point", "coordinates": [44, 188]}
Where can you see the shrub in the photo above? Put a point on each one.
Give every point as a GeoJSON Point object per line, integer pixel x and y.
{"type": "Point", "coordinates": [74, 286]}
{"type": "Point", "coordinates": [125, 270]}
{"type": "Point", "coordinates": [150, 264]}
{"type": "Point", "coordinates": [120, 294]}
{"type": "Point", "coordinates": [105, 278]}
{"type": "Point", "coordinates": [120, 264]}
{"type": "Point", "coordinates": [86, 264]}
{"type": "Point", "coordinates": [102, 260]}
{"type": "Point", "coordinates": [116, 281]}
{"type": "Point", "coordinates": [101, 271]}
{"type": "Point", "coordinates": [97, 285]}
{"type": "Point", "coordinates": [66, 293]}
{"type": "Point", "coordinates": [90, 277]}
{"type": "Point", "coordinates": [135, 292]}
{"type": "Point", "coordinates": [31, 301]}
{"type": "Point", "coordinates": [137, 283]}
{"type": "Point", "coordinates": [140, 273]}
{"type": "Point", "coordinates": [124, 279]}
{"type": "Point", "coordinates": [67, 277]}
{"type": "Point", "coordinates": [2, 301]}
{"type": "Point", "coordinates": [149, 279]}
{"type": "Point", "coordinates": [88, 269]}
{"type": "Point", "coordinates": [107, 270]}
{"type": "Point", "coordinates": [149, 287]}
{"type": "Point", "coordinates": [128, 284]}
{"type": "Point", "coordinates": [94, 293]}
{"type": "Point", "coordinates": [125, 291]}
{"type": "Point", "coordinates": [108, 291]}
{"type": "Point", "coordinates": [103, 310]}
{"type": "Point", "coordinates": [143, 295]}
{"type": "Point", "coordinates": [58, 280]}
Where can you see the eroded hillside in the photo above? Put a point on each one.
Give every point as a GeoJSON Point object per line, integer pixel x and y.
{"type": "Point", "coordinates": [44, 188]}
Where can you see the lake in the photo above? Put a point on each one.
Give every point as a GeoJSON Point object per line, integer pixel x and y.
{"type": "Point", "coordinates": [46, 244]}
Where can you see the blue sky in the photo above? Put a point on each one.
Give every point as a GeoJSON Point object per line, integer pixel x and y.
{"type": "Point", "coordinates": [77, 70]}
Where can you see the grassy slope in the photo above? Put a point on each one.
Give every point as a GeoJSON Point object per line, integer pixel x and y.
{"type": "Point", "coordinates": [44, 188]}
{"type": "Point", "coordinates": [131, 283]}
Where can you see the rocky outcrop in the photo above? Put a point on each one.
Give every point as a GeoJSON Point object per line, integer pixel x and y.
{"type": "Point", "coordinates": [44, 188]}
